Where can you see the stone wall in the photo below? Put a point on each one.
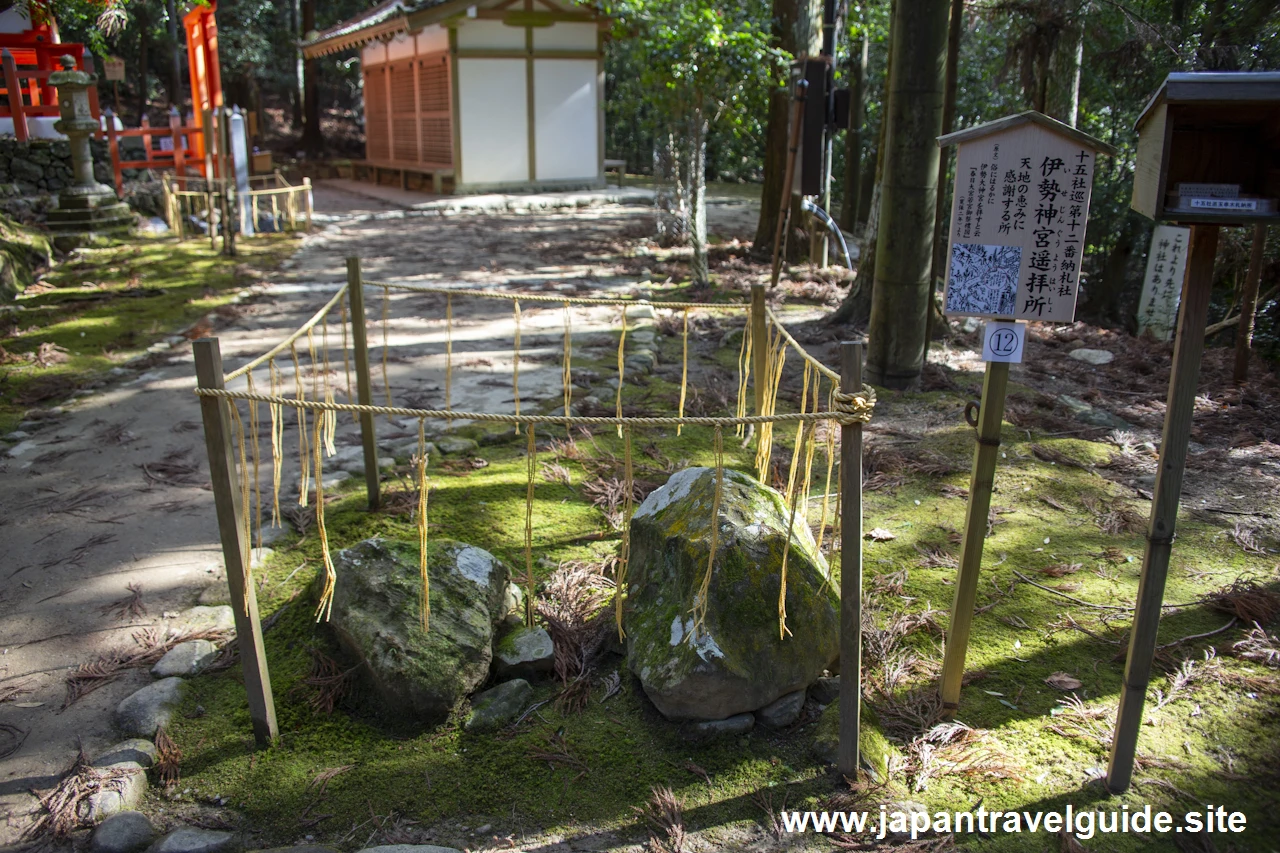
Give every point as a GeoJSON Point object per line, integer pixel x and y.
{"type": "Point", "coordinates": [33, 172]}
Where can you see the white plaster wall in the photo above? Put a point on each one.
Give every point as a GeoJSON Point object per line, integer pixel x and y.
{"type": "Point", "coordinates": [475, 33]}
{"type": "Point", "coordinates": [373, 53]}
{"type": "Point", "coordinates": [566, 36]}
{"type": "Point", "coordinates": [13, 21]}
{"type": "Point", "coordinates": [400, 47]}
{"type": "Point", "coordinates": [564, 102]}
{"type": "Point", "coordinates": [433, 39]}
{"type": "Point", "coordinates": [493, 120]}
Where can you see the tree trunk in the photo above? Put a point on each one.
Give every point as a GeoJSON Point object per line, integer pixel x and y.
{"type": "Point", "coordinates": [904, 264]}
{"type": "Point", "coordinates": [175, 45]}
{"type": "Point", "coordinates": [1105, 300]}
{"type": "Point", "coordinates": [797, 29]}
{"type": "Point", "coordinates": [144, 27]}
{"type": "Point", "coordinates": [295, 91]}
{"type": "Point", "coordinates": [669, 197]}
{"type": "Point", "coordinates": [1249, 304]}
{"type": "Point", "coordinates": [1063, 101]}
{"type": "Point", "coordinates": [849, 210]}
{"type": "Point", "coordinates": [312, 142]}
{"type": "Point", "coordinates": [954, 28]}
{"type": "Point", "coordinates": [695, 184]}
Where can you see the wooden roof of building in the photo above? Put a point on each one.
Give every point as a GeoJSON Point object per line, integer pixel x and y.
{"type": "Point", "coordinates": [1215, 88]}
{"type": "Point", "coordinates": [1028, 117]}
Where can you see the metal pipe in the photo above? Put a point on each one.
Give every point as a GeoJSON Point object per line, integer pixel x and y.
{"type": "Point", "coordinates": [813, 208]}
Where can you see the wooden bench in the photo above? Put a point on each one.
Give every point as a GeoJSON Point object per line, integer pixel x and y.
{"type": "Point", "coordinates": [620, 166]}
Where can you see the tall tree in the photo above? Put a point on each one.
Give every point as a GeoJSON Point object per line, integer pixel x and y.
{"type": "Point", "coordinates": [904, 261]}
{"type": "Point", "coordinates": [175, 54]}
{"type": "Point", "coordinates": [853, 137]}
{"type": "Point", "coordinates": [312, 142]}
{"type": "Point", "coordinates": [796, 29]}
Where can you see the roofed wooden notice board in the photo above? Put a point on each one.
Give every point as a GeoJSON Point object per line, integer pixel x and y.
{"type": "Point", "coordinates": [1018, 217]}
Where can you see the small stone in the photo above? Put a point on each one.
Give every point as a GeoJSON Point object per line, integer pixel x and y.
{"type": "Point", "coordinates": [641, 312]}
{"type": "Point", "coordinates": [150, 708]}
{"type": "Point", "coordinates": [453, 445]}
{"type": "Point", "coordinates": [188, 658]}
{"type": "Point", "coordinates": [220, 618]}
{"type": "Point", "coordinates": [123, 832]}
{"type": "Point", "coordinates": [969, 325]}
{"type": "Point", "coordinates": [103, 804]}
{"type": "Point", "coordinates": [271, 535]}
{"type": "Point", "coordinates": [642, 337]}
{"type": "Point", "coordinates": [738, 724]}
{"type": "Point", "coordinates": [192, 840]}
{"type": "Point", "coordinates": [524, 652]}
{"type": "Point", "coordinates": [783, 711]}
{"type": "Point", "coordinates": [641, 362]}
{"type": "Point", "coordinates": [17, 435]}
{"type": "Point", "coordinates": [1096, 357]}
{"type": "Point", "coordinates": [258, 556]}
{"type": "Point", "coordinates": [825, 690]}
{"type": "Point", "coordinates": [214, 594]}
{"type": "Point", "coordinates": [22, 447]}
{"type": "Point", "coordinates": [1086, 414]}
{"type": "Point", "coordinates": [138, 750]}
{"type": "Point", "coordinates": [498, 705]}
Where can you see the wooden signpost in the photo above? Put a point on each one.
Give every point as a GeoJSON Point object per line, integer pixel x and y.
{"type": "Point", "coordinates": [1021, 203]}
{"type": "Point", "coordinates": [1206, 149]}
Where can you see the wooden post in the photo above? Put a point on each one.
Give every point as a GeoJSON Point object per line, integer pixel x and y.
{"type": "Point", "coordinates": [784, 206]}
{"type": "Point", "coordinates": [759, 345]}
{"type": "Point", "coordinates": [850, 568]}
{"type": "Point", "coordinates": [167, 193]}
{"type": "Point", "coordinates": [364, 390]}
{"type": "Point", "coordinates": [226, 498]}
{"type": "Point", "coordinates": [13, 89]}
{"type": "Point", "coordinates": [1249, 304]}
{"type": "Point", "coordinates": [145, 124]}
{"type": "Point", "coordinates": [1179, 407]}
{"type": "Point", "coordinates": [227, 174]}
{"type": "Point", "coordinates": [86, 64]}
{"type": "Point", "coordinates": [179, 143]}
{"type": "Point", "coordinates": [981, 483]}
{"type": "Point", "coordinates": [113, 146]}
{"type": "Point", "coordinates": [306, 183]}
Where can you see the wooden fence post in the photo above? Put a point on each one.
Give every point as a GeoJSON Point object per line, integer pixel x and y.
{"type": "Point", "coordinates": [1249, 304]}
{"type": "Point", "coordinates": [364, 391]}
{"type": "Point", "coordinates": [13, 89]}
{"type": "Point", "coordinates": [167, 193]}
{"type": "Point", "coordinates": [981, 483]}
{"type": "Point", "coordinates": [306, 182]}
{"type": "Point", "coordinates": [1179, 408]}
{"type": "Point", "coordinates": [850, 568]}
{"type": "Point", "coordinates": [759, 346]}
{"type": "Point", "coordinates": [226, 175]}
{"type": "Point", "coordinates": [235, 552]}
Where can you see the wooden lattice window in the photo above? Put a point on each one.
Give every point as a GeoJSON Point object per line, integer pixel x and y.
{"type": "Point", "coordinates": [377, 145]}
{"type": "Point", "coordinates": [433, 99]}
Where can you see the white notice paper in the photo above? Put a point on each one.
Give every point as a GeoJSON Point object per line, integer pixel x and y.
{"type": "Point", "coordinates": [1003, 340]}
{"type": "Point", "coordinates": [1161, 289]}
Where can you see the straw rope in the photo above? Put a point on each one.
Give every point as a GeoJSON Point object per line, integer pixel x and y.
{"type": "Point", "coordinates": [702, 596]}
{"type": "Point", "coordinates": [684, 369]}
{"type": "Point", "coordinates": [346, 350]}
{"type": "Point", "coordinates": [536, 297]}
{"type": "Point", "coordinates": [277, 441]}
{"type": "Point", "coordinates": [421, 460]}
{"type": "Point", "coordinates": [744, 376]}
{"type": "Point", "coordinates": [782, 330]}
{"type": "Point", "coordinates": [325, 608]}
{"type": "Point", "coordinates": [257, 453]}
{"type": "Point", "coordinates": [622, 346]}
{"type": "Point", "coordinates": [624, 550]}
{"type": "Point", "coordinates": [304, 462]}
{"type": "Point", "coordinates": [515, 359]}
{"type": "Point", "coordinates": [386, 316]}
{"type": "Point", "coordinates": [289, 341]}
{"type": "Point", "coordinates": [566, 378]}
{"type": "Point", "coordinates": [531, 454]}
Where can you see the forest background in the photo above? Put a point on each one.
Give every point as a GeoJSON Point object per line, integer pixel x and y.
{"type": "Point", "coordinates": [696, 92]}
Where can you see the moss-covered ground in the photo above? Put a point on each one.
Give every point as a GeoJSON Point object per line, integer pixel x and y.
{"type": "Point", "coordinates": [1210, 735]}
{"type": "Point", "coordinates": [107, 303]}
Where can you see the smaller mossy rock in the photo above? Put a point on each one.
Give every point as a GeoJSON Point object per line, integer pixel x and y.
{"type": "Point", "coordinates": [738, 663]}
{"type": "Point", "coordinates": [377, 619]}
{"type": "Point", "coordinates": [216, 618]}
{"type": "Point", "coordinates": [874, 749]}
{"type": "Point", "coordinates": [825, 690]}
{"type": "Point", "coordinates": [124, 832]}
{"type": "Point", "coordinates": [498, 705]}
{"type": "Point", "coordinates": [23, 253]}
{"type": "Point", "coordinates": [128, 787]}
{"type": "Point", "coordinates": [189, 658]}
{"type": "Point", "coordinates": [738, 724]}
{"type": "Point", "coordinates": [139, 750]}
{"type": "Point", "coordinates": [192, 840]}
{"type": "Point", "coordinates": [141, 713]}
{"type": "Point", "coordinates": [782, 712]}
{"type": "Point", "coordinates": [524, 652]}
{"type": "Point", "coordinates": [457, 445]}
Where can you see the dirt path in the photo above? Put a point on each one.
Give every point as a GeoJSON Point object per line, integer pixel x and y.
{"type": "Point", "coordinates": [112, 490]}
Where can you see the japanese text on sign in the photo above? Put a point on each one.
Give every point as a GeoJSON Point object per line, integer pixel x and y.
{"type": "Point", "coordinates": [1018, 225]}
{"type": "Point", "coordinates": [1162, 287]}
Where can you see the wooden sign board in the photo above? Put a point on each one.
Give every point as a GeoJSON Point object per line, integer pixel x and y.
{"type": "Point", "coordinates": [1018, 218]}
{"type": "Point", "coordinates": [1162, 287]}
{"type": "Point", "coordinates": [113, 68]}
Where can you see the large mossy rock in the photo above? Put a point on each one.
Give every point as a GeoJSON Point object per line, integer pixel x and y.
{"type": "Point", "coordinates": [377, 619]}
{"type": "Point", "coordinates": [738, 663]}
{"type": "Point", "coordinates": [23, 253]}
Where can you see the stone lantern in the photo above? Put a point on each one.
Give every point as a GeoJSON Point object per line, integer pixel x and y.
{"type": "Point", "coordinates": [86, 209]}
